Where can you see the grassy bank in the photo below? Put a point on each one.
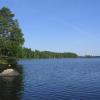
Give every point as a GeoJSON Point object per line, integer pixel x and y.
{"type": "Point", "coordinates": [6, 61]}
{"type": "Point", "coordinates": [3, 61]}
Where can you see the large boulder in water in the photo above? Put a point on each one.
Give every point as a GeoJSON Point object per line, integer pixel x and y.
{"type": "Point", "coordinates": [9, 72]}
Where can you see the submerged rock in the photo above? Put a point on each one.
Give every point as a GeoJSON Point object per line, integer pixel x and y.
{"type": "Point", "coordinates": [9, 72]}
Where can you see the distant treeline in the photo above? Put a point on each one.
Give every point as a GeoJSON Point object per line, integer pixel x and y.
{"type": "Point", "coordinates": [89, 56]}
{"type": "Point", "coordinates": [28, 53]}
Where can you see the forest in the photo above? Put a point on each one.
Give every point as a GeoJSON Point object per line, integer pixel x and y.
{"type": "Point", "coordinates": [28, 53]}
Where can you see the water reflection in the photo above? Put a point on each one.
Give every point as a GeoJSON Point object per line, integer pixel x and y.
{"type": "Point", "coordinates": [11, 87]}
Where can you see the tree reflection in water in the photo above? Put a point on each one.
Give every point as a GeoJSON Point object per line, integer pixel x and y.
{"type": "Point", "coordinates": [11, 87]}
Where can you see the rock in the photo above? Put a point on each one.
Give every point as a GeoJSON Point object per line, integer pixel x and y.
{"type": "Point", "coordinates": [9, 72]}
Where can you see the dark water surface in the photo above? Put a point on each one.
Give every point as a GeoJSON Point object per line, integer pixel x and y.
{"type": "Point", "coordinates": [54, 79]}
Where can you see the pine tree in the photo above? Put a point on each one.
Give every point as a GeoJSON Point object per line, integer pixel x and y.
{"type": "Point", "coordinates": [11, 36]}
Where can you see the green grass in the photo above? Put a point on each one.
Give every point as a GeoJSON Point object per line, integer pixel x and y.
{"type": "Point", "coordinates": [3, 61]}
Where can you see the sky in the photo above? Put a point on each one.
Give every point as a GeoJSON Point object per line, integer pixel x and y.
{"type": "Point", "coordinates": [59, 25]}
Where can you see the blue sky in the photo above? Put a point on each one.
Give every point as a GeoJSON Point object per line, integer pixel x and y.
{"type": "Point", "coordinates": [59, 25]}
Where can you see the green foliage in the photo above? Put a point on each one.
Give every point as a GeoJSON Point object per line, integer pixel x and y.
{"type": "Point", "coordinates": [28, 53]}
{"type": "Point", "coordinates": [2, 61]}
{"type": "Point", "coordinates": [11, 37]}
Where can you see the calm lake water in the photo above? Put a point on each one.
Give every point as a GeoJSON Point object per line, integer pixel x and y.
{"type": "Point", "coordinates": [53, 79]}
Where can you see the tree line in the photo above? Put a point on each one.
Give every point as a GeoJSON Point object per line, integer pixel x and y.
{"type": "Point", "coordinates": [28, 53]}
{"type": "Point", "coordinates": [12, 40]}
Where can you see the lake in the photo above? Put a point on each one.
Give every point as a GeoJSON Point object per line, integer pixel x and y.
{"type": "Point", "coordinates": [53, 79]}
